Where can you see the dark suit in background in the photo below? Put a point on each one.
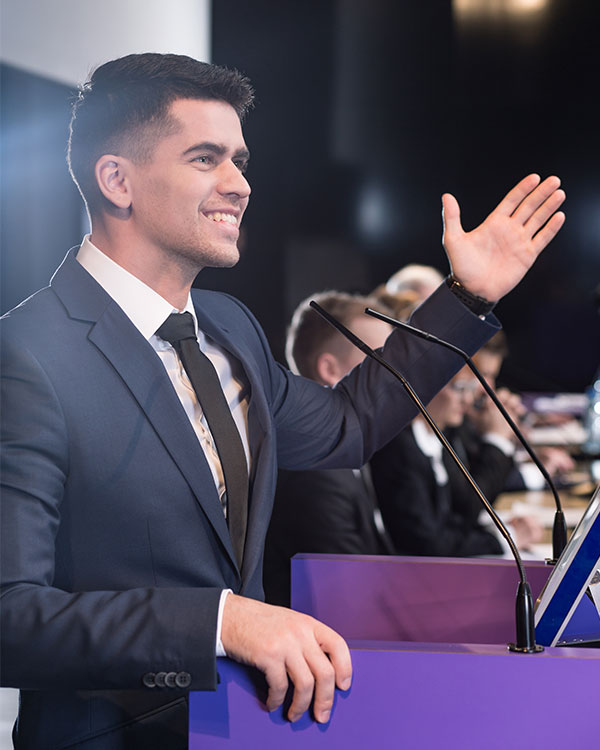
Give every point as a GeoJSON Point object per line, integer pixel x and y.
{"type": "Point", "coordinates": [331, 511]}
{"type": "Point", "coordinates": [491, 468]}
{"type": "Point", "coordinates": [422, 517]}
{"type": "Point", "coordinates": [115, 548]}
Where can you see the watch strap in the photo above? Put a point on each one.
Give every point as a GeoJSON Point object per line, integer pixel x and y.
{"type": "Point", "coordinates": [477, 305]}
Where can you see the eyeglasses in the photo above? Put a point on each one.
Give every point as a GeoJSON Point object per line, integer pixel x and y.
{"type": "Point", "coordinates": [463, 386]}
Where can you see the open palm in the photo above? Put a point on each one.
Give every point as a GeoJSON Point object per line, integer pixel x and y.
{"type": "Point", "coordinates": [491, 260]}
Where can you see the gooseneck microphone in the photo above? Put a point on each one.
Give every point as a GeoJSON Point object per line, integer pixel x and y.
{"type": "Point", "coordinates": [559, 530]}
{"type": "Point", "coordinates": [525, 629]}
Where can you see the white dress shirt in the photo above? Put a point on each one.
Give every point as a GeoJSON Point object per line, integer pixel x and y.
{"type": "Point", "coordinates": [147, 310]}
{"type": "Point", "coordinates": [429, 444]}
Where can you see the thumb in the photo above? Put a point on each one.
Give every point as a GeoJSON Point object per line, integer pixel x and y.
{"type": "Point", "coordinates": [451, 215]}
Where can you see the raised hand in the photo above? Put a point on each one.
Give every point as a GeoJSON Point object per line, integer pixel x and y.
{"type": "Point", "coordinates": [287, 645]}
{"type": "Point", "coordinates": [486, 418]}
{"type": "Point", "coordinates": [490, 260]}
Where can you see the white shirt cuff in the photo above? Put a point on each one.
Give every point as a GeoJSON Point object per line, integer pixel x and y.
{"type": "Point", "coordinates": [532, 477]}
{"type": "Point", "coordinates": [220, 651]}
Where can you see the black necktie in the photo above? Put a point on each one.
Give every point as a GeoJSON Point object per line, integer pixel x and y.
{"type": "Point", "coordinates": [178, 330]}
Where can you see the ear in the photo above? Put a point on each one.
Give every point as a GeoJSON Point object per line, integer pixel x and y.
{"type": "Point", "coordinates": [112, 178]}
{"type": "Point", "coordinates": [328, 369]}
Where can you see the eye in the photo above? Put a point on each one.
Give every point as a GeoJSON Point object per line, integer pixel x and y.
{"type": "Point", "coordinates": [204, 159]}
{"type": "Point", "coordinates": [241, 164]}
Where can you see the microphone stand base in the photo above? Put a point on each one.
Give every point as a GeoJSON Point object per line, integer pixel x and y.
{"type": "Point", "coordinates": [535, 649]}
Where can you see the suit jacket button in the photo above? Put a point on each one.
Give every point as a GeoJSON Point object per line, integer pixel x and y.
{"type": "Point", "coordinates": [183, 679]}
{"type": "Point", "coordinates": [149, 680]}
{"type": "Point", "coordinates": [170, 679]}
{"type": "Point", "coordinates": [159, 679]}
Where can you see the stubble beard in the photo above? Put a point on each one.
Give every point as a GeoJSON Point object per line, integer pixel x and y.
{"type": "Point", "coordinates": [192, 258]}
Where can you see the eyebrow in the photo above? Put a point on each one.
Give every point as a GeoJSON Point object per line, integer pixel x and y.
{"type": "Point", "coordinates": [217, 149]}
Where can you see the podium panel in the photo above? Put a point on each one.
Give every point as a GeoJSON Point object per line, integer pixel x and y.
{"type": "Point", "coordinates": [431, 667]}
{"type": "Point", "coordinates": [424, 599]}
{"type": "Point", "coordinates": [419, 697]}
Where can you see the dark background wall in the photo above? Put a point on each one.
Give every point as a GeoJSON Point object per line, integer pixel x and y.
{"type": "Point", "coordinates": [41, 209]}
{"type": "Point", "coordinates": [366, 113]}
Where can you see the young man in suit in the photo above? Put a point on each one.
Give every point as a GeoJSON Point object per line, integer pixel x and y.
{"type": "Point", "coordinates": [127, 567]}
{"type": "Point", "coordinates": [324, 510]}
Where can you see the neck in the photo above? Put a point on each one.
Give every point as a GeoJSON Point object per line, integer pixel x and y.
{"type": "Point", "coordinates": [172, 280]}
{"type": "Point", "coordinates": [439, 422]}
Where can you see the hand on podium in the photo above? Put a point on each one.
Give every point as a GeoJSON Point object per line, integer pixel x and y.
{"type": "Point", "coordinates": [286, 644]}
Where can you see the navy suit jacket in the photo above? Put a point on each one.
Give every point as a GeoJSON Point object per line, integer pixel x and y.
{"type": "Point", "coordinates": [114, 545]}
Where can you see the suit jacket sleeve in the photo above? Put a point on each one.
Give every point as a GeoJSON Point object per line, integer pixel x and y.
{"type": "Point", "coordinates": [369, 407]}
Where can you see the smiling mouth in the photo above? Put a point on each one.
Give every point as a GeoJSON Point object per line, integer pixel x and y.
{"type": "Point", "coordinates": [222, 218]}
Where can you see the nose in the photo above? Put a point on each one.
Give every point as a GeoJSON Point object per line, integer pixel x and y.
{"type": "Point", "coordinates": [232, 181]}
{"type": "Point", "coordinates": [467, 402]}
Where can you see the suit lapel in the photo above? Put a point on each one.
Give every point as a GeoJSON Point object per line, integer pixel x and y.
{"type": "Point", "coordinates": [144, 375]}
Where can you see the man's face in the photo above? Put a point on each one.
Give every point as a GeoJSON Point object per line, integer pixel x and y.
{"type": "Point", "coordinates": [489, 364]}
{"type": "Point", "coordinates": [188, 201]}
{"type": "Point", "coordinates": [448, 408]}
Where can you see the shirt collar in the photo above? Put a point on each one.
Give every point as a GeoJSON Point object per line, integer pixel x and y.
{"type": "Point", "coordinates": [426, 439]}
{"type": "Point", "coordinates": [146, 309]}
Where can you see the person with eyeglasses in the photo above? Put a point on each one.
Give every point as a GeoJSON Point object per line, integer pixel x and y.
{"type": "Point", "coordinates": [422, 494]}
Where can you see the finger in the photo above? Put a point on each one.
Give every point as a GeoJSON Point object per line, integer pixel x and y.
{"type": "Point", "coordinates": [530, 204]}
{"type": "Point", "coordinates": [339, 654]}
{"type": "Point", "coordinates": [545, 211]}
{"type": "Point", "coordinates": [324, 674]}
{"type": "Point", "coordinates": [516, 196]}
{"type": "Point", "coordinates": [548, 232]}
{"type": "Point", "coordinates": [277, 681]}
{"type": "Point", "coordinates": [304, 685]}
{"type": "Point", "coordinates": [450, 215]}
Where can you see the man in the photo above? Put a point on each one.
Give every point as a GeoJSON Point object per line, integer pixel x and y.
{"type": "Point", "coordinates": [485, 428]}
{"type": "Point", "coordinates": [427, 505]}
{"type": "Point", "coordinates": [324, 510]}
{"type": "Point", "coordinates": [118, 535]}
{"type": "Point", "coordinates": [422, 280]}
{"type": "Point", "coordinates": [484, 438]}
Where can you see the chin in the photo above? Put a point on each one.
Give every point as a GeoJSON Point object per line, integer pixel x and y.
{"type": "Point", "coordinates": [220, 258]}
{"type": "Point", "coordinates": [228, 261]}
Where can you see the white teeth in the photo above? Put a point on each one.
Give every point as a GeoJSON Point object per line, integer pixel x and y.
{"type": "Point", "coordinates": [218, 216]}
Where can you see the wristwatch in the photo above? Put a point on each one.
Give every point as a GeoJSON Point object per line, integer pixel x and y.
{"type": "Point", "coordinates": [477, 305]}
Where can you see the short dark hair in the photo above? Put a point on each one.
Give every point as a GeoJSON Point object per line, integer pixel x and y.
{"type": "Point", "coordinates": [497, 345]}
{"type": "Point", "coordinates": [309, 335]}
{"type": "Point", "coordinates": [402, 304]}
{"type": "Point", "coordinates": [124, 108]}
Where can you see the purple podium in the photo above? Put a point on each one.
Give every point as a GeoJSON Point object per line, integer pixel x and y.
{"type": "Point", "coordinates": [431, 668]}
{"type": "Point", "coordinates": [424, 599]}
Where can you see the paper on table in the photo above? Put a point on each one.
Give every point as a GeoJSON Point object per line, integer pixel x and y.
{"type": "Point", "coordinates": [545, 515]}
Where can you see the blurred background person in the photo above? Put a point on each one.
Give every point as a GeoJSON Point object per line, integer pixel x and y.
{"type": "Point", "coordinates": [484, 433]}
{"type": "Point", "coordinates": [400, 305]}
{"type": "Point", "coordinates": [485, 426]}
{"type": "Point", "coordinates": [425, 501]}
{"type": "Point", "coordinates": [416, 278]}
{"type": "Point", "coordinates": [407, 288]}
{"type": "Point", "coordinates": [327, 510]}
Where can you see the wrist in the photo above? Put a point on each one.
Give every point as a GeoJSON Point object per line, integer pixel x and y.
{"type": "Point", "coordinates": [219, 648]}
{"type": "Point", "coordinates": [477, 305]}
